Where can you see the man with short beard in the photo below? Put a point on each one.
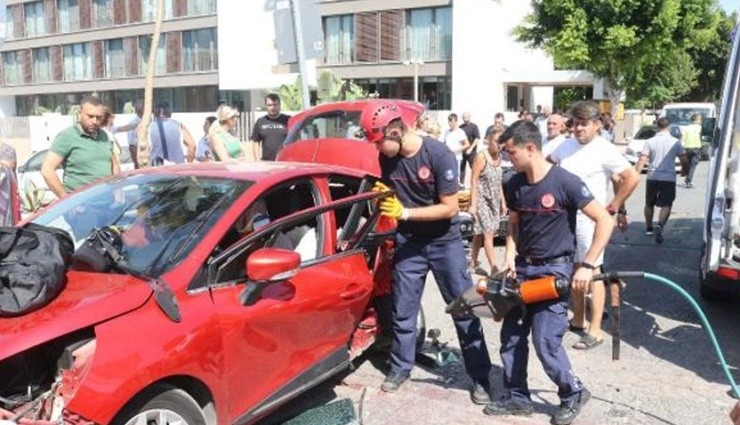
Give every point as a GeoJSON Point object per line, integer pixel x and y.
{"type": "Point", "coordinates": [555, 134]}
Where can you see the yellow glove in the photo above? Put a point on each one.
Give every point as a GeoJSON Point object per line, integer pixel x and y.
{"type": "Point", "coordinates": [380, 187]}
{"type": "Point", "coordinates": [391, 207]}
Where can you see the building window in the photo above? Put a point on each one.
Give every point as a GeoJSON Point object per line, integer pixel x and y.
{"type": "Point", "coordinates": [428, 34]}
{"type": "Point", "coordinates": [35, 19]}
{"type": "Point", "coordinates": [9, 26]}
{"type": "Point", "coordinates": [145, 43]}
{"type": "Point", "coordinates": [200, 50]}
{"type": "Point", "coordinates": [69, 15]}
{"type": "Point", "coordinates": [12, 68]}
{"type": "Point", "coordinates": [149, 10]}
{"type": "Point", "coordinates": [340, 37]}
{"type": "Point", "coordinates": [115, 63]}
{"type": "Point", "coordinates": [102, 13]}
{"type": "Point", "coordinates": [77, 62]}
{"type": "Point", "coordinates": [41, 65]}
{"type": "Point", "coordinates": [201, 7]}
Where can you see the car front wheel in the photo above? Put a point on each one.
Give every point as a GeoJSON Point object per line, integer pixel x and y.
{"type": "Point", "coordinates": [163, 405]}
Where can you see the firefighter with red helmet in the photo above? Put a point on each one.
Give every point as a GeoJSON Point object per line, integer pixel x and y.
{"type": "Point", "coordinates": [424, 175]}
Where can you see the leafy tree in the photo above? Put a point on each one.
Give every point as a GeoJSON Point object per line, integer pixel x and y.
{"type": "Point", "coordinates": [622, 41]}
{"type": "Point", "coordinates": [711, 60]}
{"type": "Point", "coordinates": [291, 95]}
{"type": "Point", "coordinates": [333, 88]}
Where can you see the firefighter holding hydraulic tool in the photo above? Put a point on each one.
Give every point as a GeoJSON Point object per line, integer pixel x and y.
{"type": "Point", "coordinates": [424, 174]}
{"type": "Point", "coordinates": [543, 202]}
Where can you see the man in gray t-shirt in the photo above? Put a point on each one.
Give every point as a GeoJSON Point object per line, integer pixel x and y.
{"type": "Point", "coordinates": [660, 189]}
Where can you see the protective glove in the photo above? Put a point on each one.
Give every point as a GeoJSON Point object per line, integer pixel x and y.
{"type": "Point", "coordinates": [391, 207]}
{"type": "Point", "coordinates": [380, 187]}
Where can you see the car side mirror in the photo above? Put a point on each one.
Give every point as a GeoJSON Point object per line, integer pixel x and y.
{"type": "Point", "coordinates": [267, 266]}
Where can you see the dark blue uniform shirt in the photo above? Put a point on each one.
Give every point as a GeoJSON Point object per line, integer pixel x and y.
{"type": "Point", "coordinates": [547, 212]}
{"type": "Point", "coordinates": [419, 181]}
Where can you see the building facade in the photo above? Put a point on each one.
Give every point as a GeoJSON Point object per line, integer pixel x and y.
{"type": "Point", "coordinates": [57, 51]}
{"type": "Point", "coordinates": [460, 53]}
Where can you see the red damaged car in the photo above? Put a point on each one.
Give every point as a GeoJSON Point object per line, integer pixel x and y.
{"type": "Point", "coordinates": [225, 291]}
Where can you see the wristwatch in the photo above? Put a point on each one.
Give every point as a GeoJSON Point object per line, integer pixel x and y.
{"type": "Point", "coordinates": [587, 265]}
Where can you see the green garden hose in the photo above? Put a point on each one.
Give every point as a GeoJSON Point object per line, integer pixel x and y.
{"type": "Point", "coordinates": [607, 277]}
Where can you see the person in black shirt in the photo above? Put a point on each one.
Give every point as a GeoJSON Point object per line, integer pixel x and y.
{"type": "Point", "coordinates": [269, 131]}
{"type": "Point", "coordinates": [423, 172]}
{"type": "Point", "coordinates": [543, 200]}
{"type": "Point", "coordinates": [473, 134]}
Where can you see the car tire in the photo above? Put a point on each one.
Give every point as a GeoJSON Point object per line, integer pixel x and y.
{"type": "Point", "coordinates": [161, 405]}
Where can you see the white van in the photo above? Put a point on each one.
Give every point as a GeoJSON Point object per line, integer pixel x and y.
{"type": "Point", "coordinates": [680, 114]}
{"type": "Point", "coordinates": [720, 266]}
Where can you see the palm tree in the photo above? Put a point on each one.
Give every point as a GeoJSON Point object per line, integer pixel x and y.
{"type": "Point", "coordinates": [142, 131]}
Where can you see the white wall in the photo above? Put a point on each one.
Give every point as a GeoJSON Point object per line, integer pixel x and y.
{"type": "Point", "coordinates": [483, 50]}
{"type": "Point", "coordinates": [246, 46]}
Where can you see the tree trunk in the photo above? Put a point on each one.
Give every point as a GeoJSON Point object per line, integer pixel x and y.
{"type": "Point", "coordinates": [142, 131]}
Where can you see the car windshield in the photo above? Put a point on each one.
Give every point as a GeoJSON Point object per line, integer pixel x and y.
{"type": "Point", "coordinates": [682, 116]}
{"type": "Point", "coordinates": [161, 216]}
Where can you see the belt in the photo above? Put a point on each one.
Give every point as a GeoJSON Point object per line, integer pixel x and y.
{"type": "Point", "coordinates": [543, 261]}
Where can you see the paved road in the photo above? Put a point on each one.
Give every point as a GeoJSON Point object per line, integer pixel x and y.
{"type": "Point", "coordinates": [668, 373]}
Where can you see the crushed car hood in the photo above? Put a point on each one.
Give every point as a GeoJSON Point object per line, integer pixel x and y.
{"type": "Point", "coordinates": [87, 299]}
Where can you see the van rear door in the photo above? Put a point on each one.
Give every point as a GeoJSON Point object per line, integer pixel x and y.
{"type": "Point", "coordinates": [720, 267]}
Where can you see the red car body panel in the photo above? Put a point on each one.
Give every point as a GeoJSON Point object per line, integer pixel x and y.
{"type": "Point", "coordinates": [242, 354]}
{"type": "Point", "coordinates": [87, 299]}
{"type": "Point", "coordinates": [345, 152]}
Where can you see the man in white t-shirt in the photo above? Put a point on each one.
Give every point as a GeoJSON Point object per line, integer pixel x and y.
{"type": "Point", "coordinates": [456, 139]}
{"type": "Point", "coordinates": [598, 163]}
{"type": "Point", "coordinates": [131, 128]}
{"type": "Point", "coordinates": [555, 134]}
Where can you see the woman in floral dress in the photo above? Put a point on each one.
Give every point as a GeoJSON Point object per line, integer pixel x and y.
{"type": "Point", "coordinates": [487, 203]}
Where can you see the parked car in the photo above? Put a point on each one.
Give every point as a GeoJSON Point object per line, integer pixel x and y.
{"type": "Point", "coordinates": [29, 174]}
{"type": "Point", "coordinates": [330, 134]}
{"type": "Point", "coordinates": [637, 144]}
{"type": "Point", "coordinates": [225, 291]}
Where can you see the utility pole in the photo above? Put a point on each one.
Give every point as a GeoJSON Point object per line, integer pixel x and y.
{"type": "Point", "coordinates": [300, 52]}
{"type": "Point", "coordinates": [416, 63]}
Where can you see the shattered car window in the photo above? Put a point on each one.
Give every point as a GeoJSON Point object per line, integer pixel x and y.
{"type": "Point", "coordinates": [160, 217]}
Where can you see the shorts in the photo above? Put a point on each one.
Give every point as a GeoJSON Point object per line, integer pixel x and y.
{"type": "Point", "coordinates": [660, 193]}
{"type": "Point", "coordinates": [584, 237]}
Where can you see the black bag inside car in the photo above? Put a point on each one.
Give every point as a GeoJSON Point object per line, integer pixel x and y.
{"type": "Point", "coordinates": [33, 262]}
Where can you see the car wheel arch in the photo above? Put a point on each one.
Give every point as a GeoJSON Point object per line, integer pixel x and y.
{"type": "Point", "coordinates": [189, 386]}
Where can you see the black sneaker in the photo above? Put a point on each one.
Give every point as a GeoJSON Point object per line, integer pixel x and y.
{"type": "Point", "coordinates": [568, 411]}
{"type": "Point", "coordinates": [393, 382]}
{"type": "Point", "coordinates": [659, 234]}
{"type": "Point", "coordinates": [479, 394]}
{"type": "Point", "coordinates": [649, 231]}
{"type": "Point", "coordinates": [508, 406]}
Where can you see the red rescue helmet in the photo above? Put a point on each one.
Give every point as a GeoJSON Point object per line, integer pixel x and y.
{"type": "Point", "coordinates": [376, 118]}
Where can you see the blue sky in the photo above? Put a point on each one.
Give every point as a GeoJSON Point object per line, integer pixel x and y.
{"type": "Point", "coordinates": [730, 5]}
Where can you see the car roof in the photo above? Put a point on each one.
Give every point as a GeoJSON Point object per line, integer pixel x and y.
{"type": "Point", "coordinates": [253, 171]}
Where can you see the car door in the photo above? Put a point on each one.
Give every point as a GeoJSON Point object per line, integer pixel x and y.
{"type": "Point", "coordinates": [297, 331]}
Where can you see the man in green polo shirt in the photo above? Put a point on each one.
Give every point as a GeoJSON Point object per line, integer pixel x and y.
{"type": "Point", "coordinates": [84, 151]}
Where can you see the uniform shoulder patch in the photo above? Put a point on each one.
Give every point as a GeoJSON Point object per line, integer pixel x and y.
{"type": "Point", "coordinates": [449, 175]}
